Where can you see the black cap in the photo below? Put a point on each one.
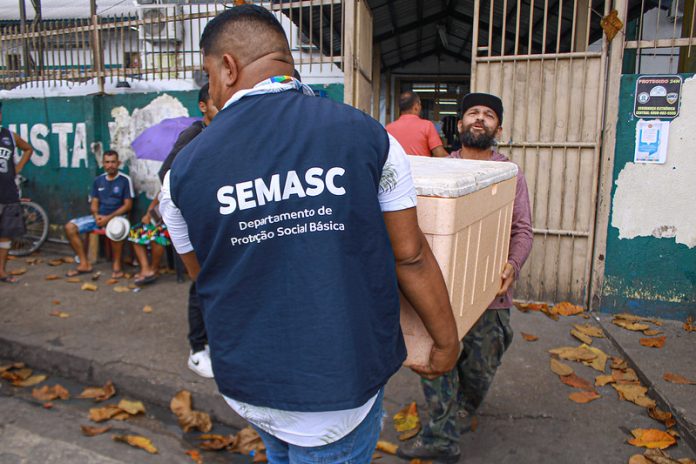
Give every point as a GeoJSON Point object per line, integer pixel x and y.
{"type": "Point", "coordinates": [484, 99]}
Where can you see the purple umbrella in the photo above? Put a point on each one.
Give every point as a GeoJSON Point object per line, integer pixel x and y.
{"type": "Point", "coordinates": [155, 142]}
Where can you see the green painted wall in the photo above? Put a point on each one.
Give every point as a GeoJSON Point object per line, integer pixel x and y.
{"type": "Point", "coordinates": [645, 275]}
{"type": "Point", "coordinates": [62, 131]}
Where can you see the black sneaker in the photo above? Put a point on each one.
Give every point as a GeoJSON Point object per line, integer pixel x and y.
{"type": "Point", "coordinates": [416, 449]}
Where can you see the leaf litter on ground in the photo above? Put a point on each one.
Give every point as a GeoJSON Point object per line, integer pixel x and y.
{"type": "Point", "coordinates": [689, 325]}
{"type": "Point", "coordinates": [47, 393]}
{"type": "Point", "coordinates": [570, 353]}
{"type": "Point", "coordinates": [137, 441]}
{"type": "Point", "coordinates": [678, 379]}
{"type": "Point", "coordinates": [651, 438]}
{"type": "Point", "coordinates": [91, 431]}
{"type": "Point", "coordinates": [565, 308]}
{"type": "Point", "coordinates": [99, 394]}
{"type": "Point", "coordinates": [407, 422]}
{"type": "Point", "coordinates": [662, 416]}
{"type": "Point", "coordinates": [529, 337]}
{"type": "Point", "coordinates": [635, 394]}
{"type": "Point", "coordinates": [189, 419]}
{"type": "Point", "coordinates": [560, 368]}
{"type": "Point", "coordinates": [583, 397]}
{"type": "Point", "coordinates": [655, 342]}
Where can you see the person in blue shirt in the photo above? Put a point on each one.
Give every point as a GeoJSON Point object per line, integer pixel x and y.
{"type": "Point", "coordinates": [112, 195]}
{"type": "Point", "coordinates": [296, 217]}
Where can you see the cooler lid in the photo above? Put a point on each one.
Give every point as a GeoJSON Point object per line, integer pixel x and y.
{"type": "Point", "coordinates": [453, 177]}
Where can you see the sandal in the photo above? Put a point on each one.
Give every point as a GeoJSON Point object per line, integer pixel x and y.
{"type": "Point", "coordinates": [9, 279]}
{"type": "Point", "coordinates": [77, 272]}
{"type": "Point", "coordinates": [146, 280]}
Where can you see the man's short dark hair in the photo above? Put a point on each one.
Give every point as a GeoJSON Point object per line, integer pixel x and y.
{"type": "Point", "coordinates": [110, 153]}
{"type": "Point", "coordinates": [407, 100]}
{"type": "Point", "coordinates": [251, 22]}
{"type": "Point", "coordinates": [203, 95]}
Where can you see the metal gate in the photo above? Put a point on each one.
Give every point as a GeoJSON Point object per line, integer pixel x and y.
{"type": "Point", "coordinates": [358, 55]}
{"type": "Point", "coordinates": [547, 61]}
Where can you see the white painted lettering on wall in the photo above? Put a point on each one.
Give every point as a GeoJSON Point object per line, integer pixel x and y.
{"type": "Point", "coordinates": [71, 138]}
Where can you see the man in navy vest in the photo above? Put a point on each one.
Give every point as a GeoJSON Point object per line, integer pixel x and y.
{"type": "Point", "coordinates": [296, 216]}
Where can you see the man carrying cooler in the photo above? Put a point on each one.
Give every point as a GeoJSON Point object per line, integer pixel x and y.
{"type": "Point", "coordinates": [296, 215]}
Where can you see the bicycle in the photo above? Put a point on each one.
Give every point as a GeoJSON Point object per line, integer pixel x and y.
{"type": "Point", "coordinates": [36, 223]}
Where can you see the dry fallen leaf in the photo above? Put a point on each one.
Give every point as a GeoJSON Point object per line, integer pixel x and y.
{"type": "Point", "coordinates": [407, 419]}
{"type": "Point", "coordinates": [618, 363]}
{"type": "Point", "coordinates": [195, 455]}
{"type": "Point", "coordinates": [590, 330]}
{"type": "Point", "coordinates": [215, 442]}
{"type": "Point", "coordinates": [55, 262]}
{"type": "Point", "coordinates": [30, 382]}
{"type": "Point", "coordinates": [657, 456]}
{"type": "Point", "coordinates": [52, 277]}
{"type": "Point", "coordinates": [137, 441]}
{"type": "Point", "coordinates": [548, 312]}
{"type": "Point", "coordinates": [652, 332]}
{"type": "Point", "coordinates": [586, 339]}
{"type": "Point", "coordinates": [652, 438]}
{"type": "Point", "coordinates": [89, 287]}
{"type": "Point", "coordinates": [90, 431]}
{"type": "Point", "coordinates": [573, 353]}
{"type": "Point", "coordinates": [529, 337]}
{"type": "Point", "coordinates": [639, 459]}
{"type": "Point", "coordinates": [689, 325]}
{"type": "Point", "coordinates": [678, 379]}
{"type": "Point", "coordinates": [121, 416]}
{"type": "Point", "coordinates": [18, 272]}
{"type": "Point", "coordinates": [635, 394]}
{"type": "Point", "coordinates": [575, 381]}
{"type": "Point", "coordinates": [386, 447]}
{"type": "Point", "coordinates": [21, 373]}
{"type": "Point", "coordinates": [105, 413]}
{"type": "Point", "coordinates": [189, 419]}
{"type": "Point", "coordinates": [68, 259]}
{"type": "Point", "coordinates": [559, 368]}
{"type": "Point", "coordinates": [526, 307]}
{"type": "Point", "coordinates": [99, 393]}
{"type": "Point", "coordinates": [7, 367]}
{"type": "Point", "coordinates": [599, 362]}
{"type": "Point", "coordinates": [111, 281]}
{"type": "Point", "coordinates": [566, 308]}
{"type": "Point", "coordinates": [131, 407]}
{"type": "Point", "coordinates": [246, 441]}
{"type": "Point", "coordinates": [655, 342]}
{"type": "Point", "coordinates": [583, 397]}
{"type": "Point", "coordinates": [121, 289]}
{"type": "Point", "coordinates": [60, 314]}
{"type": "Point", "coordinates": [602, 380]}
{"type": "Point", "coordinates": [147, 309]}
{"type": "Point", "coordinates": [73, 280]}
{"type": "Point", "coordinates": [627, 376]}
{"type": "Point", "coordinates": [628, 325]}
{"type": "Point", "coordinates": [47, 393]}
{"type": "Point", "coordinates": [662, 416]}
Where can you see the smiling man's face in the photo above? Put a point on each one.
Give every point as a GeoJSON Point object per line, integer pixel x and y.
{"type": "Point", "coordinates": [479, 127]}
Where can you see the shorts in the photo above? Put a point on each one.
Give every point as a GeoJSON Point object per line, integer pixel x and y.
{"type": "Point", "coordinates": [11, 220]}
{"type": "Point", "coordinates": [143, 234]}
{"type": "Point", "coordinates": [85, 224]}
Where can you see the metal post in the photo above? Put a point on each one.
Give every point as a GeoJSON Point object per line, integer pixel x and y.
{"type": "Point", "coordinates": [25, 41]}
{"type": "Point", "coordinates": [97, 52]}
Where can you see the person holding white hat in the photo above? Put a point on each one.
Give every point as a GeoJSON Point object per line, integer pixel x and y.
{"type": "Point", "coordinates": [111, 199]}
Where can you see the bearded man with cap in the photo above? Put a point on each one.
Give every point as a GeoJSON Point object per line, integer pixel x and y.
{"type": "Point", "coordinates": [453, 399]}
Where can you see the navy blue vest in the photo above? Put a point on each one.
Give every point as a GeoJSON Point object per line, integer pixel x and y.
{"type": "Point", "coordinates": [297, 280]}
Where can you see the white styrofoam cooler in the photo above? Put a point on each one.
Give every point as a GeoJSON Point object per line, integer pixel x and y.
{"type": "Point", "coordinates": [465, 212]}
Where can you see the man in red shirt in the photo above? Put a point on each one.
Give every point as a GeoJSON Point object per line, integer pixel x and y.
{"type": "Point", "coordinates": [417, 136]}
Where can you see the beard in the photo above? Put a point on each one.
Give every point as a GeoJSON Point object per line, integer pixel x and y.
{"type": "Point", "coordinates": [482, 141]}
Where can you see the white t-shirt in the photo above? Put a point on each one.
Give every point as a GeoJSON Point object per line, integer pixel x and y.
{"type": "Point", "coordinates": [308, 429]}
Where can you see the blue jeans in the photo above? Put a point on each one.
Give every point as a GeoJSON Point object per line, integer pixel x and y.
{"type": "Point", "coordinates": [355, 448]}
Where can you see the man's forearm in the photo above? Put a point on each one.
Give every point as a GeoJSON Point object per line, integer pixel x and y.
{"type": "Point", "coordinates": [26, 154]}
{"type": "Point", "coordinates": [421, 282]}
{"type": "Point", "coordinates": [191, 263]}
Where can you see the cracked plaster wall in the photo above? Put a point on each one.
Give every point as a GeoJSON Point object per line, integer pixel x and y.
{"type": "Point", "coordinates": [660, 200]}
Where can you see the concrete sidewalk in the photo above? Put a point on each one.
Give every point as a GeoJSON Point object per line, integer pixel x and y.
{"type": "Point", "coordinates": [527, 416]}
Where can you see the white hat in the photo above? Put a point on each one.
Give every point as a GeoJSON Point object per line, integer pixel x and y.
{"type": "Point", "coordinates": [117, 229]}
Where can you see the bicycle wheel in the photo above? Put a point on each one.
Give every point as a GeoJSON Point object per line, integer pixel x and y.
{"type": "Point", "coordinates": [36, 223]}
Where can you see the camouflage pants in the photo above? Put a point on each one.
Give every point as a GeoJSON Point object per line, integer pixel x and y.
{"type": "Point", "coordinates": [465, 387]}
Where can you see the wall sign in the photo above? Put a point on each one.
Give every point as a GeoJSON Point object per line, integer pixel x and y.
{"type": "Point", "coordinates": [657, 96]}
{"type": "Point", "coordinates": [651, 142]}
